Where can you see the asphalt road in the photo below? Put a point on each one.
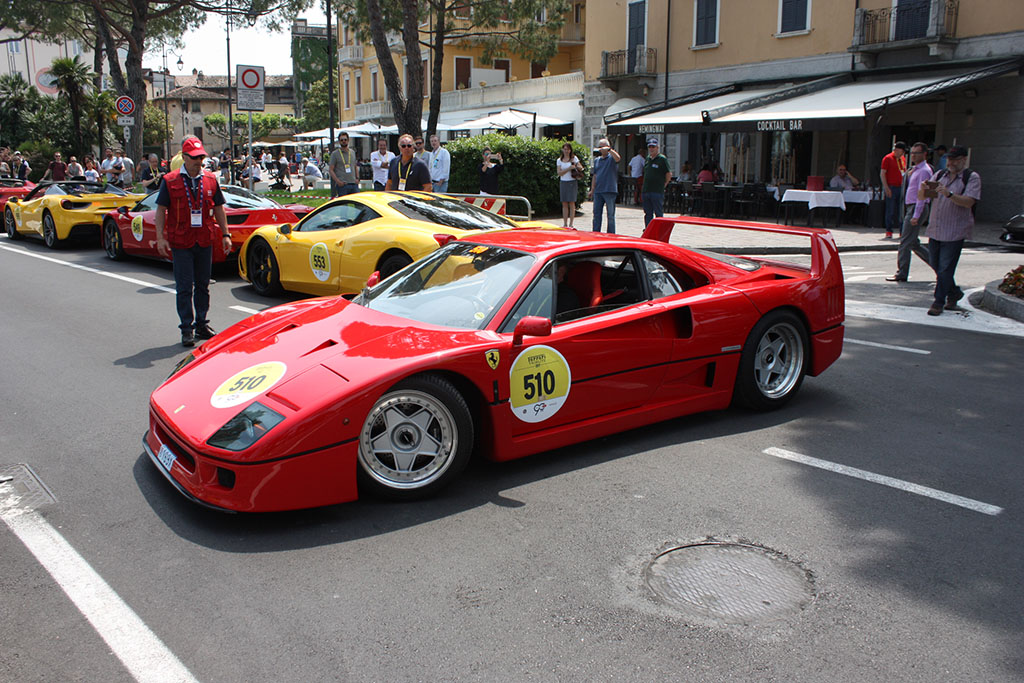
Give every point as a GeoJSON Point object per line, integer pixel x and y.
{"type": "Point", "coordinates": [532, 570]}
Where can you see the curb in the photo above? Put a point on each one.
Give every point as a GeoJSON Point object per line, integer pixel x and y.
{"type": "Point", "coordinates": [1001, 303]}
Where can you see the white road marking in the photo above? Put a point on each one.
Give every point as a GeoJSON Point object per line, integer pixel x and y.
{"type": "Point", "coordinates": [865, 276]}
{"type": "Point", "coordinates": [243, 309]}
{"type": "Point", "coordinates": [968, 319]}
{"type": "Point", "coordinates": [88, 269]}
{"type": "Point", "coordinates": [910, 487]}
{"type": "Point", "coordinates": [891, 347]}
{"type": "Point", "coordinates": [142, 653]}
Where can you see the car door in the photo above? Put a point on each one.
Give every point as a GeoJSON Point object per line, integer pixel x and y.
{"type": "Point", "coordinates": [309, 257]}
{"type": "Point", "coordinates": [607, 348]}
{"type": "Point", "coordinates": [138, 227]}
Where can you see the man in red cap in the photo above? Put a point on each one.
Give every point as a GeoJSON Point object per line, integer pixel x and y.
{"type": "Point", "coordinates": [189, 219]}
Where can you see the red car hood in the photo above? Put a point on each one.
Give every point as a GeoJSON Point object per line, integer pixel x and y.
{"type": "Point", "coordinates": [333, 348]}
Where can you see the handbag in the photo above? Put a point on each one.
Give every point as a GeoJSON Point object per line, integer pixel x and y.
{"type": "Point", "coordinates": [576, 173]}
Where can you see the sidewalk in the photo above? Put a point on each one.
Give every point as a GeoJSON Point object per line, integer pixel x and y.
{"type": "Point", "coordinates": [629, 220]}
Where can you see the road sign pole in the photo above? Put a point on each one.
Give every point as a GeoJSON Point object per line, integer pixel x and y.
{"type": "Point", "coordinates": [251, 158]}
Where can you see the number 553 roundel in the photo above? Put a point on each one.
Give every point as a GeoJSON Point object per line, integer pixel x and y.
{"type": "Point", "coordinates": [498, 345]}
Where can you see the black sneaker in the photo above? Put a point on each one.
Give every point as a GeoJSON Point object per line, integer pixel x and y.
{"type": "Point", "coordinates": [188, 338]}
{"type": "Point", "coordinates": [205, 332]}
{"type": "Point", "coordinates": [952, 299]}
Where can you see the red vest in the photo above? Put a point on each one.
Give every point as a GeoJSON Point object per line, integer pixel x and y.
{"type": "Point", "coordinates": [178, 227]}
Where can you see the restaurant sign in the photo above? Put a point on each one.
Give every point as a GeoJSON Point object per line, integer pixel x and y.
{"type": "Point", "coordinates": [659, 128]}
{"type": "Point", "coordinates": [780, 124]}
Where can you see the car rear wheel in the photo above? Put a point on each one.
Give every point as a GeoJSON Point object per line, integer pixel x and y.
{"type": "Point", "coordinates": [417, 438]}
{"type": "Point", "coordinates": [112, 243]}
{"type": "Point", "coordinates": [10, 225]}
{"type": "Point", "coordinates": [392, 264]}
{"type": "Point", "coordinates": [50, 231]}
{"type": "Point", "coordinates": [773, 362]}
{"type": "Point", "coordinates": [263, 272]}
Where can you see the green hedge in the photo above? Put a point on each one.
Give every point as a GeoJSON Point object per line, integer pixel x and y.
{"type": "Point", "coordinates": [529, 168]}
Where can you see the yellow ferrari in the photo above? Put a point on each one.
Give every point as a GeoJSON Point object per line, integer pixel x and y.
{"type": "Point", "coordinates": [62, 209]}
{"type": "Point", "coordinates": [334, 249]}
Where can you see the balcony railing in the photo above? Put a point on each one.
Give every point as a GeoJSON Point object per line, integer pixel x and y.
{"type": "Point", "coordinates": [642, 61]}
{"type": "Point", "coordinates": [573, 33]}
{"type": "Point", "coordinates": [922, 20]}
{"type": "Point", "coordinates": [350, 55]}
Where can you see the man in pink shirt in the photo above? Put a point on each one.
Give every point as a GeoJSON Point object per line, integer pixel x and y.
{"type": "Point", "coordinates": [915, 213]}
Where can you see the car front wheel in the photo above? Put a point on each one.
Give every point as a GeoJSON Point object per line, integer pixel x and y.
{"type": "Point", "coordinates": [417, 438]}
{"type": "Point", "coordinates": [50, 231]}
{"type": "Point", "coordinates": [10, 225]}
{"type": "Point", "coordinates": [773, 362]}
{"type": "Point", "coordinates": [262, 268]}
{"type": "Point", "coordinates": [112, 240]}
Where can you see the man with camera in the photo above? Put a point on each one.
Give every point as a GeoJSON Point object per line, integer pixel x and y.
{"type": "Point", "coordinates": [604, 188]}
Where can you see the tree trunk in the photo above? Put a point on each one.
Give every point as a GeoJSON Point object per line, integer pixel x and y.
{"type": "Point", "coordinates": [97, 67]}
{"type": "Point", "coordinates": [134, 86]}
{"type": "Point", "coordinates": [414, 68]}
{"type": "Point", "coordinates": [386, 61]}
{"type": "Point", "coordinates": [437, 72]}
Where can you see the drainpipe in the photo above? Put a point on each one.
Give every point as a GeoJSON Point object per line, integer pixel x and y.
{"type": "Point", "coordinates": [668, 42]}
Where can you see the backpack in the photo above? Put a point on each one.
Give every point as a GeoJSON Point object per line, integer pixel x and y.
{"type": "Point", "coordinates": [965, 177]}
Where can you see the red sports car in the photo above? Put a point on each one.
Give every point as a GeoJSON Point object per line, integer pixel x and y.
{"type": "Point", "coordinates": [13, 187]}
{"type": "Point", "coordinates": [502, 344]}
{"type": "Point", "coordinates": [132, 232]}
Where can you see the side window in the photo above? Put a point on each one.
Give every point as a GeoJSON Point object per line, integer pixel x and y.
{"type": "Point", "coordinates": [665, 280]}
{"type": "Point", "coordinates": [537, 301]}
{"type": "Point", "coordinates": [333, 217]}
{"type": "Point", "coordinates": [596, 284]}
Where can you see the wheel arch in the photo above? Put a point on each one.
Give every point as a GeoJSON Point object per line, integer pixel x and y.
{"type": "Point", "coordinates": [795, 310]}
{"type": "Point", "coordinates": [473, 397]}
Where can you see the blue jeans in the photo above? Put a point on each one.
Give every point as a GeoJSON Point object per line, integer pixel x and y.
{"type": "Point", "coordinates": [192, 283]}
{"type": "Point", "coordinates": [347, 188]}
{"type": "Point", "coordinates": [654, 203]}
{"type": "Point", "coordinates": [893, 212]}
{"type": "Point", "coordinates": [944, 257]}
{"type": "Point", "coordinates": [602, 200]}
{"type": "Point", "coordinates": [440, 186]}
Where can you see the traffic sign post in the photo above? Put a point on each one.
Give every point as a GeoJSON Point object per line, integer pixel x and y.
{"type": "Point", "coordinates": [125, 105]}
{"type": "Point", "coordinates": [126, 121]}
{"type": "Point", "coordinates": [251, 88]}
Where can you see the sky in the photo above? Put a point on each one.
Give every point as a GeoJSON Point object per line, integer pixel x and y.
{"type": "Point", "coordinates": [206, 49]}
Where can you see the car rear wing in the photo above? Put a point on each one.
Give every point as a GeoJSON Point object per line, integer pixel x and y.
{"type": "Point", "coordinates": [822, 247]}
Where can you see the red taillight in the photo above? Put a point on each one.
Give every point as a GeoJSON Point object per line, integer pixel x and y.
{"type": "Point", "coordinates": [66, 204]}
{"type": "Point", "coordinates": [443, 239]}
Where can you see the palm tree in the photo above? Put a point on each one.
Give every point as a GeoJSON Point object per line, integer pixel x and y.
{"type": "Point", "coordinates": [72, 77]}
{"type": "Point", "coordinates": [19, 98]}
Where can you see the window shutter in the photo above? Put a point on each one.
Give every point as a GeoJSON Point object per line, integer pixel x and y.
{"type": "Point", "coordinates": [794, 15]}
{"type": "Point", "coordinates": [707, 11]}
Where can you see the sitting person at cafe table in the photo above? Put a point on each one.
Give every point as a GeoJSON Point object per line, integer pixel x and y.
{"type": "Point", "coordinates": [842, 180]}
{"type": "Point", "coordinates": [706, 175]}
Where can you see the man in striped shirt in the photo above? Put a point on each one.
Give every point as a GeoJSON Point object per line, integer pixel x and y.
{"type": "Point", "coordinates": [951, 222]}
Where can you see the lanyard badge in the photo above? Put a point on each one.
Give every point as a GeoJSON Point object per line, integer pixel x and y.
{"type": "Point", "coordinates": [194, 197]}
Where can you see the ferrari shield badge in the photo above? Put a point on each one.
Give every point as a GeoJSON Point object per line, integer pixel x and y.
{"type": "Point", "coordinates": [493, 358]}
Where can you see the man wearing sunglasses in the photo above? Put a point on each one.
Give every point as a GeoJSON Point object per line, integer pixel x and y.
{"type": "Point", "coordinates": [189, 219]}
{"type": "Point", "coordinates": [408, 173]}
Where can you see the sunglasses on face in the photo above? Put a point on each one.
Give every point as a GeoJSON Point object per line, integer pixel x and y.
{"type": "Point", "coordinates": [405, 145]}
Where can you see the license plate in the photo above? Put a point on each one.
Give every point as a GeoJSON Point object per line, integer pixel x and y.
{"type": "Point", "coordinates": [165, 457]}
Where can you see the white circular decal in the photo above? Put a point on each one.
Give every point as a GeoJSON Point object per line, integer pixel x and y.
{"type": "Point", "coordinates": [539, 383]}
{"type": "Point", "coordinates": [320, 261]}
{"type": "Point", "coordinates": [137, 228]}
{"type": "Point", "coordinates": [248, 384]}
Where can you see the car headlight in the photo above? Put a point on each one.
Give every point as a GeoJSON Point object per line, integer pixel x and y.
{"type": "Point", "coordinates": [246, 428]}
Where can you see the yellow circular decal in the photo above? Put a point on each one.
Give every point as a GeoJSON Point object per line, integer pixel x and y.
{"type": "Point", "coordinates": [539, 383]}
{"type": "Point", "coordinates": [248, 384]}
{"type": "Point", "coordinates": [320, 261]}
{"type": "Point", "coordinates": [137, 228]}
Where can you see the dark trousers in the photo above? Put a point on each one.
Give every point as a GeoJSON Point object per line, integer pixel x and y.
{"type": "Point", "coordinates": [944, 257]}
{"type": "Point", "coordinates": [893, 215]}
{"type": "Point", "coordinates": [654, 203]}
{"type": "Point", "coordinates": [378, 186]}
{"type": "Point", "coordinates": [346, 188]}
{"type": "Point", "coordinates": [192, 283]}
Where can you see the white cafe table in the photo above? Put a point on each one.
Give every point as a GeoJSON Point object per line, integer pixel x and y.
{"type": "Point", "coordinates": [857, 196]}
{"type": "Point", "coordinates": [814, 200]}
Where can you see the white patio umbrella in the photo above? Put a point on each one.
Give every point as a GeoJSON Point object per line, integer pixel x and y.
{"type": "Point", "coordinates": [511, 119]}
{"type": "Point", "coordinates": [423, 126]}
{"type": "Point", "coordinates": [368, 128]}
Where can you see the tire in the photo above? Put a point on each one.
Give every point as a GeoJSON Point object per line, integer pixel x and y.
{"type": "Point", "coordinates": [262, 270]}
{"type": "Point", "coordinates": [773, 362]}
{"type": "Point", "coordinates": [10, 225]}
{"type": "Point", "coordinates": [50, 231]}
{"type": "Point", "coordinates": [393, 263]}
{"type": "Point", "coordinates": [417, 439]}
{"type": "Point", "coordinates": [112, 242]}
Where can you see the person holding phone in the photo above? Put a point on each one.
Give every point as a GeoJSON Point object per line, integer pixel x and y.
{"type": "Point", "coordinates": [491, 167]}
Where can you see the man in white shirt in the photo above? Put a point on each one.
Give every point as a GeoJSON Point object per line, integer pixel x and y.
{"type": "Point", "coordinates": [111, 166]}
{"type": "Point", "coordinates": [128, 175]}
{"type": "Point", "coordinates": [439, 161]}
{"type": "Point", "coordinates": [381, 160]}
{"type": "Point", "coordinates": [311, 173]}
{"type": "Point", "coordinates": [636, 171]}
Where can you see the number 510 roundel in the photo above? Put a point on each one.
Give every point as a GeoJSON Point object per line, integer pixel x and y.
{"type": "Point", "coordinates": [498, 345]}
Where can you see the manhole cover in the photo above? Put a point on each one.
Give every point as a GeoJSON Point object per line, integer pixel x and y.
{"type": "Point", "coordinates": [729, 583]}
{"type": "Point", "coordinates": [20, 487]}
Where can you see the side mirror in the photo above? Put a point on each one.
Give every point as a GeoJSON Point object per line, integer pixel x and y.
{"type": "Point", "coordinates": [532, 325]}
{"type": "Point", "coordinates": [123, 210]}
{"type": "Point", "coordinates": [285, 229]}
{"type": "Point", "coordinates": [373, 279]}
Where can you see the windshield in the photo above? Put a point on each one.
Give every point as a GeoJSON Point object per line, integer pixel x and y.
{"type": "Point", "coordinates": [241, 198]}
{"type": "Point", "coordinates": [459, 285]}
{"type": "Point", "coordinates": [451, 213]}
